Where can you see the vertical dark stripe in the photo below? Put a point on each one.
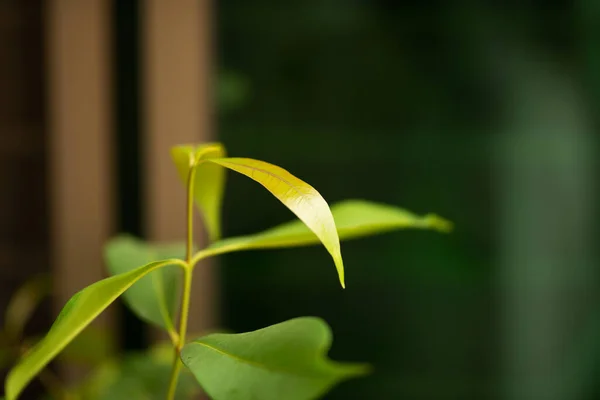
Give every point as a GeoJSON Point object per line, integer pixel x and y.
{"type": "Point", "coordinates": [128, 142]}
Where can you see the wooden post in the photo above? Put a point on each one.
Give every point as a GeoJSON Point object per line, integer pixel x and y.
{"type": "Point", "coordinates": [177, 68]}
{"type": "Point", "coordinates": [78, 50]}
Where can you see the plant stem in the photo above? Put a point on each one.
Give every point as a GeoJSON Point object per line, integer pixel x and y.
{"type": "Point", "coordinates": [187, 288]}
{"type": "Point", "coordinates": [185, 307]}
{"type": "Point", "coordinates": [174, 376]}
{"type": "Point", "coordinates": [190, 216]}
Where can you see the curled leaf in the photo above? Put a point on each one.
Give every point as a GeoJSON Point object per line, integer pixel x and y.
{"type": "Point", "coordinates": [209, 181]}
{"type": "Point", "coordinates": [301, 198]}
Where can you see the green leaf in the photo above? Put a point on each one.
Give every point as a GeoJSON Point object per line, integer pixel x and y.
{"type": "Point", "coordinates": [154, 297]}
{"type": "Point", "coordinates": [283, 361]}
{"type": "Point", "coordinates": [209, 181]}
{"type": "Point", "coordinates": [301, 198]}
{"type": "Point", "coordinates": [353, 219]}
{"type": "Point", "coordinates": [78, 313]}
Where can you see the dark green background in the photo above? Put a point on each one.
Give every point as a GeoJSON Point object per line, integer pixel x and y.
{"type": "Point", "coordinates": [410, 103]}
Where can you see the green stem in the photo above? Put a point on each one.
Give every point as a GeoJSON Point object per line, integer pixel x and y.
{"type": "Point", "coordinates": [185, 308]}
{"type": "Point", "coordinates": [174, 376]}
{"type": "Point", "coordinates": [190, 214]}
{"type": "Point", "coordinates": [187, 289]}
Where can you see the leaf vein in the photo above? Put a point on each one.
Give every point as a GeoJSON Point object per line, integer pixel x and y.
{"type": "Point", "coordinates": [254, 363]}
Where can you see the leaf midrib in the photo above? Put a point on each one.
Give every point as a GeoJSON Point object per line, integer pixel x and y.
{"type": "Point", "coordinates": [254, 363]}
{"type": "Point", "coordinates": [271, 174]}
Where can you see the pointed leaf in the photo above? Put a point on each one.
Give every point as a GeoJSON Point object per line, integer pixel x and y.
{"type": "Point", "coordinates": [209, 181]}
{"type": "Point", "coordinates": [153, 298]}
{"type": "Point", "coordinates": [283, 361]}
{"type": "Point", "coordinates": [353, 219]}
{"type": "Point", "coordinates": [301, 198]}
{"type": "Point", "coordinates": [78, 313]}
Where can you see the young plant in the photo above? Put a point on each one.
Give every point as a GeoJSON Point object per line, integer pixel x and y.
{"type": "Point", "coordinates": [284, 361]}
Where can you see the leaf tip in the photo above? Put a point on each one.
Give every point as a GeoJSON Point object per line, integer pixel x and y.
{"type": "Point", "coordinates": [10, 392]}
{"type": "Point", "coordinates": [339, 265]}
{"type": "Point", "coordinates": [363, 369]}
{"type": "Point", "coordinates": [436, 222]}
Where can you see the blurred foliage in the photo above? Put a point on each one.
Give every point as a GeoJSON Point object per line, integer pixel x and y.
{"type": "Point", "coordinates": [137, 376]}
{"type": "Point", "coordinates": [232, 91]}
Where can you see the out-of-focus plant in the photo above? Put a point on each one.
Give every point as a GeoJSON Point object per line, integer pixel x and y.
{"type": "Point", "coordinates": [90, 349]}
{"type": "Point", "coordinates": [283, 361]}
{"type": "Point", "coordinates": [13, 344]}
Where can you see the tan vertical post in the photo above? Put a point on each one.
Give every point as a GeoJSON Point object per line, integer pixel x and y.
{"type": "Point", "coordinates": [78, 101]}
{"type": "Point", "coordinates": [177, 67]}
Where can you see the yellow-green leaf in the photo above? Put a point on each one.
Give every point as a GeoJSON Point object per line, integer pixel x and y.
{"type": "Point", "coordinates": [284, 361]}
{"type": "Point", "coordinates": [153, 298]}
{"type": "Point", "coordinates": [209, 181]}
{"type": "Point", "coordinates": [78, 313]}
{"type": "Point", "coordinates": [353, 219]}
{"type": "Point", "coordinates": [301, 198]}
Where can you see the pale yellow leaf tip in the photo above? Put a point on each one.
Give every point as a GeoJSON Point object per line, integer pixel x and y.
{"type": "Point", "coordinates": [339, 265]}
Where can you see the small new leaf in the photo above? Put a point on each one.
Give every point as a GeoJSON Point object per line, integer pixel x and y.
{"type": "Point", "coordinates": [283, 361]}
{"type": "Point", "coordinates": [78, 313]}
{"type": "Point", "coordinates": [301, 198]}
{"type": "Point", "coordinates": [209, 181]}
{"type": "Point", "coordinates": [154, 297]}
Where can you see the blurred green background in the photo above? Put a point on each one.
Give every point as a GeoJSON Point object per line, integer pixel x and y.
{"type": "Point", "coordinates": [482, 113]}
